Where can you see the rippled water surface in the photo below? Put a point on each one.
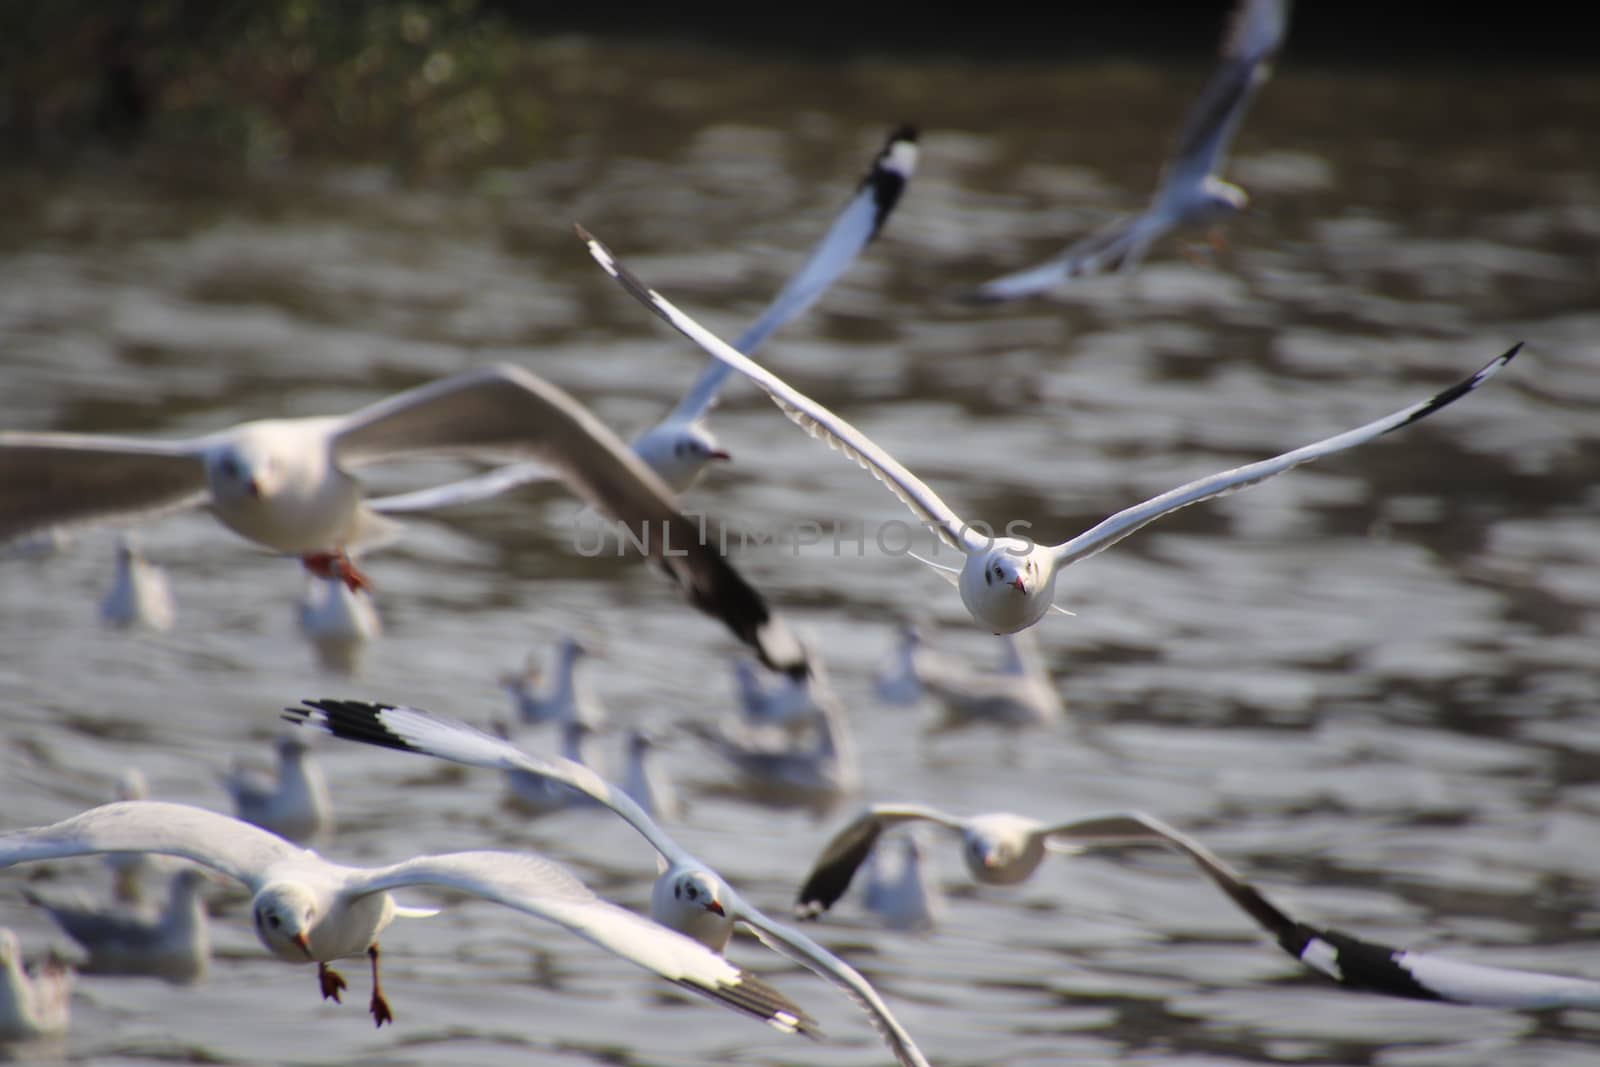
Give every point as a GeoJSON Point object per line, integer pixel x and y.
{"type": "Point", "coordinates": [1369, 684]}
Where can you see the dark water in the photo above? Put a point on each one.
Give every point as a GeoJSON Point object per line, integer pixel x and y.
{"type": "Point", "coordinates": [1370, 684]}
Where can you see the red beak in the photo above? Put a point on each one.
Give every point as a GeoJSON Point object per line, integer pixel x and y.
{"type": "Point", "coordinates": [717, 453]}
{"type": "Point", "coordinates": [1018, 586]}
{"type": "Point", "coordinates": [715, 908]}
{"type": "Point", "coordinates": [253, 487]}
{"type": "Point", "coordinates": [305, 946]}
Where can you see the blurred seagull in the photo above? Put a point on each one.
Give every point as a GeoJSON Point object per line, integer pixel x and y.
{"type": "Point", "coordinates": [293, 803]}
{"type": "Point", "coordinates": [646, 781]}
{"type": "Point", "coordinates": [34, 1002]}
{"type": "Point", "coordinates": [1007, 582]}
{"type": "Point", "coordinates": [174, 943]}
{"type": "Point", "coordinates": [307, 909]}
{"type": "Point", "coordinates": [898, 680]}
{"type": "Point", "coordinates": [681, 446]}
{"type": "Point", "coordinates": [1018, 695]}
{"type": "Point", "coordinates": [901, 889]}
{"type": "Point", "coordinates": [539, 794]}
{"type": "Point", "coordinates": [814, 775]}
{"type": "Point", "coordinates": [283, 483]}
{"type": "Point", "coordinates": [140, 594]}
{"type": "Point", "coordinates": [689, 896]}
{"type": "Point", "coordinates": [558, 693]}
{"type": "Point", "coordinates": [1190, 194]}
{"type": "Point", "coordinates": [338, 621]}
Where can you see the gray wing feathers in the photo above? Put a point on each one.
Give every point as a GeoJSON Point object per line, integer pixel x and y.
{"type": "Point", "coordinates": [49, 480]}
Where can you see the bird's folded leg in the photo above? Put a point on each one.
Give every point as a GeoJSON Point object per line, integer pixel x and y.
{"type": "Point", "coordinates": [379, 1006]}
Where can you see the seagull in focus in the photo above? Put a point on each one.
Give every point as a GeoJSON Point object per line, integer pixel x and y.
{"type": "Point", "coordinates": [294, 803]}
{"type": "Point", "coordinates": [1007, 582]}
{"type": "Point", "coordinates": [1190, 193]}
{"type": "Point", "coordinates": [559, 692]}
{"type": "Point", "coordinates": [901, 889]}
{"type": "Point", "coordinates": [173, 943]}
{"type": "Point", "coordinates": [140, 593]}
{"type": "Point", "coordinates": [1020, 694]}
{"type": "Point", "coordinates": [681, 447]}
{"type": "Point", "coordinates": [338, 621]}
{"type": "Point", "coordinates": [689, 895]}
{"type": "Point", "coordinates": [283, 483]}
{"type": "Point", "coordinates": [34, 1001]}
{"type": "Point", "coordinates": [307, 909]}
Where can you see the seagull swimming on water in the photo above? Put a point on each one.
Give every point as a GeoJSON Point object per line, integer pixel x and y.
{"type": "Point", "coordinates": [307, 909]}
{"type": "Point", "coordinates": [1008, 582]}
{"type": "Point", "coordinates": [689, 895]}
{"type": "Point", "coordinates": [1190, 193]}
{"type": "Point", "coordinates": [34, 1001]}
{"type": "Point", "coordinates": [681, 446]}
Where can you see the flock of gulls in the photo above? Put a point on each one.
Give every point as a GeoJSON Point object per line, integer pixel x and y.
{"type": "Point", "coordinates": [291, 487]}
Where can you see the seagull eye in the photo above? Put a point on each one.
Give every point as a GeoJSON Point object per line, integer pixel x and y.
{"type": "Point", "coordinates": [694, 894]}
{"type": "Point", "coordinates": [274, 922]}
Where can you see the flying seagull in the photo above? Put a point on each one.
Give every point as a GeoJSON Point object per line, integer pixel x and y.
{"type": "Point", "coordinates": [689, 895]}
{"type": "Point", "coordinates": [1190, 193]}
{"type": "Point", "coordinates": [283, 482]}
{"type": "Point", "coordinates": [307, 909]}
{"type": "Point", "coordinates": [681, 446]}
{"type": "Point", "coordinates": [1008, 583]}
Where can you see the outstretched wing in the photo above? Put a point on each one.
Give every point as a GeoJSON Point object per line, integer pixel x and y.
{"type": "Point", "coordinates": [811, 416]}
{"type": "Point", "coordinates": [507, 411]}
{"type": "Point", "coordinates": [848, 849]}
{"type": "Point", "coordinates": [783, 938]}
{"type": "Point", "coordinates": [546, 890]}
{"type": "Point", "coordinates": [1108, 532]}
{"type": "Point", "coordinates": [58, 479]}
{"type": "Point", "coordinates": [229, 846]}
{"type": "Point", "coordinates": [850, 233]}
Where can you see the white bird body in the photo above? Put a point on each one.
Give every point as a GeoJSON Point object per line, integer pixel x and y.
{"type": "Point", "coordinates": [1008, 583]}
{"type": "Point", "coordinates": [294, 803]}
{"type": "Point", "coordinates": [898, 680]}
{"type": "Point", "coordinates": [539, 794]}
{"type": "Point", "coordinates": [688, 895]}
{"type": "Point", "coordinates": [901, 888]}
{"type": "Point", "coordinates": [34, 1002]}
{"type": "Point", "coordinates": [646, 781]}
{"type": "Point", "coordinates": [1019, 694]}
{"type": "Point", "coordinates": [307, 909]}
{"type": "Point", "coordinates": [559, 692]}
{"type": "Point", "coordinates": [140, 593]}
{"type": "Point", "coordinates": [338, 621]}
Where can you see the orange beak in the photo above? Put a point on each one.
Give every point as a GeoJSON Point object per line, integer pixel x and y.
{"type": "Point", "coordinates": [717, 453]}
{"type": "Point", "coordinates": [305, 946]}
{"type": "Point", "coordinates": [1018, 586]}
{"type": "Point", "coordinates": [715, 908]}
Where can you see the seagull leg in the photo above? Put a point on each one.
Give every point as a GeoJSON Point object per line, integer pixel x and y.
{"type": "Point", "coordinates": [336, 565]}
{"type": "Point", "coordinates": [379, 1006]}
{"type": "Point", "coordinates": [331, 982]}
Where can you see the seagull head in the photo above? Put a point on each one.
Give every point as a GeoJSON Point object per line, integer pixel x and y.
{"type": "Point", "coordinates": [284, 915]}
{"type": "Point", "coordinates": [679, 452]}
{"type": "Point", "coordinates": [698, 889]}
{"type": "Point", "coordinates": [986, 853]}
{"type": "Point", "coordinates": [241, 468]}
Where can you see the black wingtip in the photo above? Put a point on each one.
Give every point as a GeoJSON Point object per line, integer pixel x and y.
{"type": "Point", "coordinates": [351, 720]}
{"type": "Point", "coordinates": [1462, 388]}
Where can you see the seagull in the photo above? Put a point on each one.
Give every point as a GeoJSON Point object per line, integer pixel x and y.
{"type": "Point", "coordinates": [174, 943]}
{"type": "Point", "coordinates": [338, 621]}
{"type": "Point", "coordinates": [130, 869]}
{"type": "Point", "coordinates": [294, 803]}
{"type": "Point", "coordinates": [34, 1002]}
{"type": "Point", "coordinates": [791, 705]}
{"type": "Point", "coordinates": [645, 780]}
{"type": "Point", "coordinates": [283, 483]}
{"type": "Point", "coordinates": [1008, 582]}
{"type": "Point", "coordinates": [902, 891]}
{"type": "Point", "coordinates": [689, 896]}
{"type": "Point", "coordinates": [1003, 849]}
{"type": "Point", "coordinates": [898, 680]}
{"type": "Point", "coordinates": [538, 794]}
{"type": "Point", "coordinates": [1190, 193]}
{"type": "Point", "coordinates": [1019, 695]}
{"type": "Point", "coordinates": [307, 909]}
{"type": "Point", "coordinates": [565, 697]}
{"type": "Point", "coordinates": [681, 446]}
{"type": "Point", "coordinates": [816, 775]}
{"type": "Point", "coordinates": [140, 594]}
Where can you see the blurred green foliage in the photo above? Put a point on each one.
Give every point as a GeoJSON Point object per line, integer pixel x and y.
{"type": "Point", "coordinates": [419, 85]}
